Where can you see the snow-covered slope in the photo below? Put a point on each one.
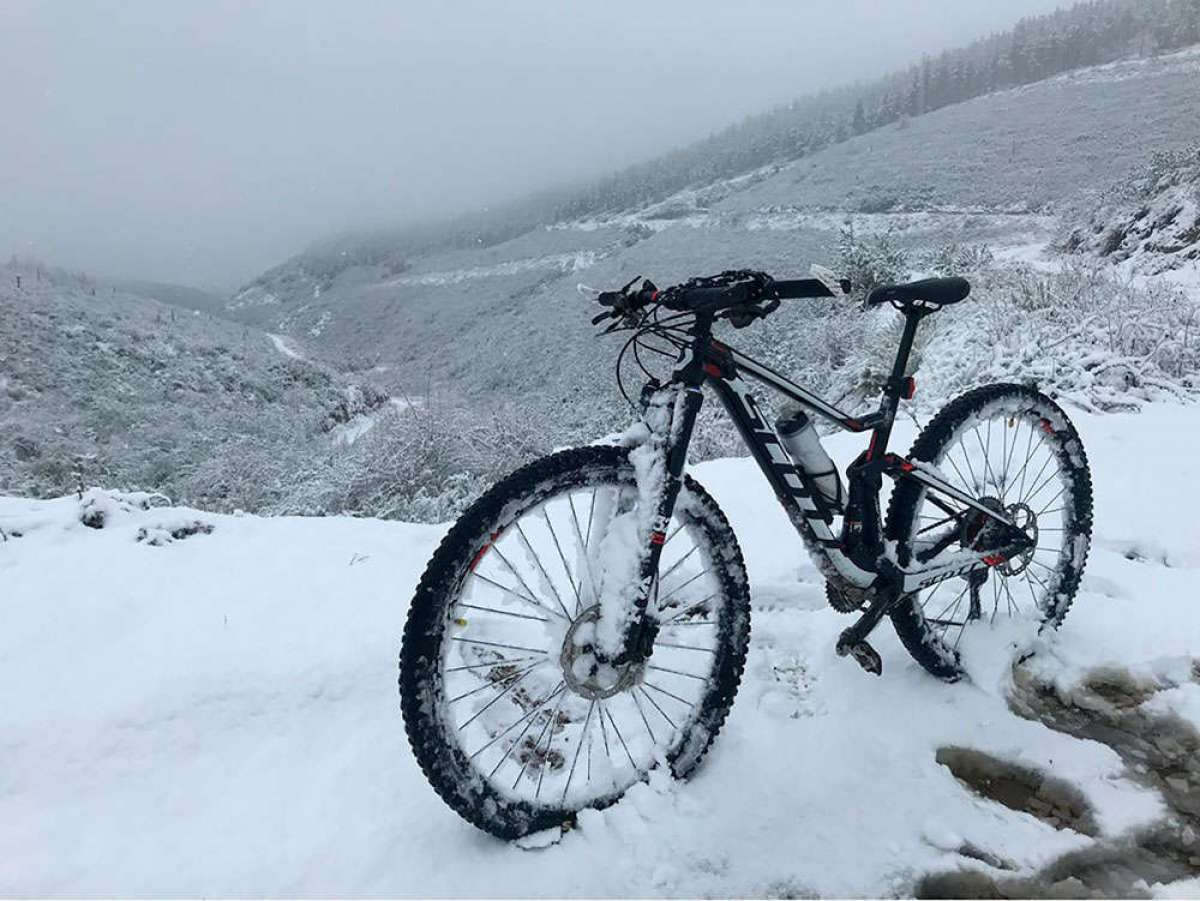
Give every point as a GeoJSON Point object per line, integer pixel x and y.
{"type": "Point", "coordinates": [186, 711]}
{"type": "Point", "coordinates": [503, 322]}
{"type": "Point", "coordinates": [143, 394]}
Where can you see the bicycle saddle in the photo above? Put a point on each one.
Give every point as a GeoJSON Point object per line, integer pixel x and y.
{"type": "Point", "coordinates": [936, 291]}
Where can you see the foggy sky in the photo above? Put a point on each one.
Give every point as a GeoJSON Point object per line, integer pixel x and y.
{"type": "Point", "coordinates": [202, 142]}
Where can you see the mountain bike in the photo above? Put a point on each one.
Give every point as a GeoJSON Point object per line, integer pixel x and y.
{"type": "Point", "coordinates": [587, 619]}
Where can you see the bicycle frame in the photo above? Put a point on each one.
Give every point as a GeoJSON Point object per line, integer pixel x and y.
{"type": "Point", "coordinates": [856, 559]}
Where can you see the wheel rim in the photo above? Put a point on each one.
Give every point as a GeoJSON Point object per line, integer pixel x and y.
{"type": "Point", "coordinates": [1011, 459]}
{"type": "Point", "coordinates": [532, 711]}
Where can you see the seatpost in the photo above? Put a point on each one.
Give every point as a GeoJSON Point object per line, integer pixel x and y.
{"type": "Point", "coordinates": [894, 386]}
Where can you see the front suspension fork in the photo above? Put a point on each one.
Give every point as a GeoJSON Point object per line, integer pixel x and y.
{"type": "Point", "coordinates": [670, 418]}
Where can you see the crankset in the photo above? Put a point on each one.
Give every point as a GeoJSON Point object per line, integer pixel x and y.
{"type": "Point", "coordinates": [853, 641]}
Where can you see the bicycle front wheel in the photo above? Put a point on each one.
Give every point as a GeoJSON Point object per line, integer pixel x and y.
{"type": "Point", "coordinates": [512, 719]}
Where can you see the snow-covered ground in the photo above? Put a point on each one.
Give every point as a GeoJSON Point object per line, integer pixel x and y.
{"type": "Point", "coordinates": [216, 713]}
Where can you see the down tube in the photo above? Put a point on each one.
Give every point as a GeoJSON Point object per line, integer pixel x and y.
{"type": "Point", "coordinates": [788, 482]}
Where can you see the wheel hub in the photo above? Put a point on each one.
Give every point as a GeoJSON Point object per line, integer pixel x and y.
{"type": "Point", "coordinates": [982, 533]}
{"type": "Point", "coordinates": [584, 671]}
{"type": "Point", "coordinates": [1025, 520]}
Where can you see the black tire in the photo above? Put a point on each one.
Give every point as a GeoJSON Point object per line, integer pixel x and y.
{"type": "Point", "coordinates": [1051, 580]}
{"type": "Point", "coordinates": [461, 778]}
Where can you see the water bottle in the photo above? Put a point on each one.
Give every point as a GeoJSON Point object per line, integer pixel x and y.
{"type": "Point", "coordinates": [799, 436]}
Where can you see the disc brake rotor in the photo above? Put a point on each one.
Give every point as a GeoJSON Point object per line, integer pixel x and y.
{"type": "Point", "coordinates": [584, 673]}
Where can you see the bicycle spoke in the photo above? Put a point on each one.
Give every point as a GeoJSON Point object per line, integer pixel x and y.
{"type": "Point", "coordinates": [591, 516]}
{"type": "Point", "coordinates": [1032, 593]}
{"type": "Point", "coordinates": [656, 706]}
{"type": "Point", "coordinates": [579, 747]}
{"type": "Point", "coordinates": [936, 588]}
{"type": "Point", "coordinates": [1035, 480]}
{"type": "Point", "coordinates": [527, 719]}
{"type": "Point", "coordinates": [669, 694]}
{"type": "Point", "coordinates": [493, 644]}
{"type": "Point", "coordinates": [1052, 500]}
{"type": "Point", "coordinates": [1056, 472]}
{"type": "Point", "coordinates": [954, 603]}
{"type": "Point", "coordinates": [680, 588]}
{"type": "Point", "coordinates": [1028, 448]}
{"type": "Point", "coordinates": [976, 486]}
{"type": "Point", "coordinates": [503, 661]}
{"type": "Point", "coordinates": [537, 744]}
{"type": "Point", "coordinates": [949, 458]}
{"type": "Point", "coordinates": [642, 713]}
{"type": "Point", "coordinates": [516, 594]}
{"type": "Point", "coordinates": [986, 461]}
{"type": "Point", "coordinates": [678, 529]}
{"type": "Point", "coordinates": [563, 558]}
{"type": "Point", "coordinates": [684, 647]}
{"type": "Point", "coordinates": [542, 569]}
{"type": "Point", "coordinates": [478, 713]}
{"type": "Point", "coordinates": [1011, 600]}
{"type": "Point", "coordinates": [664, 669]}
{"type": "Point", "coordinates": [549, 747]}
{"type": "Point", "coordinates": [678, 563]}
{"type": "Point", "coordinates": [587, 557]}
{"type": "Point", "coordinates": [613, 723]}
{"type": "Point", "coordinates": [538, 619]}
{"type": "Point", "coordinates": [696, 607]}
{"type": "Point", "coordinates": [521, 579]}
{"type": "Point", "coordinates": [1011, 450]}
{"type": "Point", "coordinates": [490, 684]}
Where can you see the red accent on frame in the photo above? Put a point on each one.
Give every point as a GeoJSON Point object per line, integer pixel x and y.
{"type": "Point", "coordinates": [994, 559]}
{"type": "Point", "coordinates": [908, 388]}
{"type": "Point", "coordinates": [657, 537]}
{"type": "Point", "coordinates": [714, 370]}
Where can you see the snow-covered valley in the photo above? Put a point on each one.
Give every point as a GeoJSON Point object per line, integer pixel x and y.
{"type": "Point", "coordinates": [201, 712]}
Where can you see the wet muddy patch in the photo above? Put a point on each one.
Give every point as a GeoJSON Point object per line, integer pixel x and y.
{"type": "Point", "coordinates": [1160, 750]}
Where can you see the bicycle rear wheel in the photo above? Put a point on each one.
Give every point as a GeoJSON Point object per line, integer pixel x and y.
{"type": "Point", "coordinates": [1015, 450]}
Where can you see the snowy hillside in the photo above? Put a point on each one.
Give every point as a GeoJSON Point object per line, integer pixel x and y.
{"type": "Point", "coordinates": [137, 393]}
{"type": "Point", "coordinates": [205, 704]}
{"type": "Point", "coordinates": [503, 322]}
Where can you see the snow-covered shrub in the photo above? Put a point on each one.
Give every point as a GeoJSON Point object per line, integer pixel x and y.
{"type": "Point", "coordinates": [421, 464]}
{"type": "Point", "coordinates": [1151, 220]}
{"type": "Point", "coordinates": [870, 260]}
{"type": "Point", "coordinates": [1081, 333]}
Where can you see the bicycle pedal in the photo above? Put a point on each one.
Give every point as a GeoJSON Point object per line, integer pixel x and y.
{"type": "Point", "coordinates": [864, 655]}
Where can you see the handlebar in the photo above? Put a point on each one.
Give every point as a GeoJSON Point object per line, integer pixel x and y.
{"type": "Point", "coordinates": [740, 296]}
